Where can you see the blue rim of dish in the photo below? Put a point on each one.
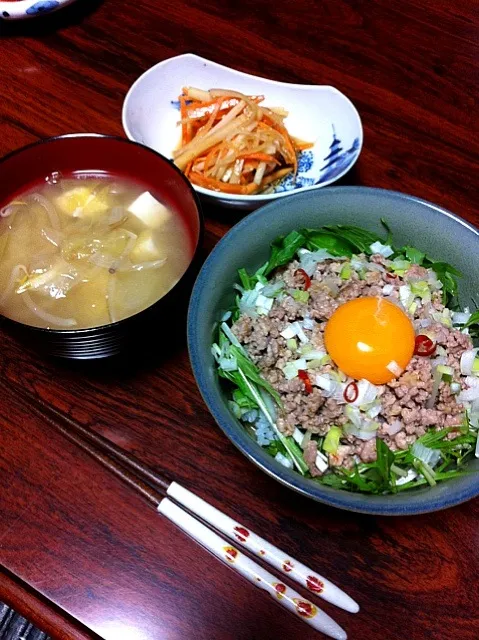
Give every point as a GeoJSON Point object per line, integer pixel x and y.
{"type": "Point", "coordinates": [376, 505]}
{"type": "Point", "coordinates": [31, 8]}
{"type": "Point", "coordinates": [194, 258]}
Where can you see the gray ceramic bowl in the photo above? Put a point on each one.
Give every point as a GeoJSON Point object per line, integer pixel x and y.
{"type": "Point", "coordinates": [426, 226]}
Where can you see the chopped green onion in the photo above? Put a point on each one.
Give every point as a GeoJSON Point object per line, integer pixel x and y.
{"type": "Point", "coordinates": [400, 266]}
{"type": "Point", "coordinates": [398, 471]}
{"type": "Point", "coordinates": [305, 348]}
{"type": "Point", "coordinates": [300, 296]}
{"type": "Point", "coordinates": [346, 271]}
{"type": "Point", "coordinates": [331, 441]}
{"type": "Point", "coordinates": [291, 369]}
{"type": "Point", "coordinates": [315, 364]}
{"type": "Point", "coordinates": [420, 288]}
{"type": "Point", "coordinates": [425, 470]}
{"type": "Point", "coordinates": [292, 344]}
{"type": "Point", "coordinates": [446, 372]}
{"type": "Point", "coordinates": [231, 336]}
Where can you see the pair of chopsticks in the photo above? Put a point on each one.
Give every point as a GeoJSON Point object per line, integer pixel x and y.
{"type": "Point", "coordinates": [190, 513]}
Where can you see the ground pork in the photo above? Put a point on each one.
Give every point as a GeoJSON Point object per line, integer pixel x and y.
{"type": "Point", "coordinates": [323, 305]}
{"type": "Point", "coordinates": [405, 414]}
{"type": "Point", "coordinates": [309, 456]}
{"type": "Point", "coordinates": [344, 456]}
{"type": "Point", "coordinates": [303, 411]}
{"type": "Point", "coordinates": [415, 273]}
{"type": "Point", "coordinates": [367, 452]}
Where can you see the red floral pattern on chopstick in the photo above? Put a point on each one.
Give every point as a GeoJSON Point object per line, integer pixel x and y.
{"type": "Point", "coordinates": [241, 533]}
{"type": "Point", "coordinates": [280, 589]}
{"type": "Point", "coordinates": [231, 553]}
{"type": "Point", "coordinates": [305, 609]}
{"type": "Point", "coordinates": [288, 566]}
{"type": "Point", "coordinates": [314, 584]}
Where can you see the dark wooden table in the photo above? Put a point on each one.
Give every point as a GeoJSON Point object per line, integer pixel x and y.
{"type": "Point", "coordinates": [81, 553]}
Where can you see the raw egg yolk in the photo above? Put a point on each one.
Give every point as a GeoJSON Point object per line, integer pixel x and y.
{"type": "Point", "coordinates": [370, 338]}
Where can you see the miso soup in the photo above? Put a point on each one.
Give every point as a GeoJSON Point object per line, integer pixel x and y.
{"type": "Point", "coordinates": [84, 251]}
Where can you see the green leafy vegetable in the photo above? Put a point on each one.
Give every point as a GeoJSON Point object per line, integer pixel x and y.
{"type": "Point", "coordinates": [473, 325]}
{"type": "Point", "coordinates": [389, 238]}
{"type": "Point", "coordinates": [243, 401]}
{"type": "Point", "coordinates": [385, 458]}
{"type": "Point", "coordinates": [474, 319]}
{"type": "Point", "coordinates": [283, 251]}
{"type": "Point", "coordinates": [246, 281]}
{"type": "Point", "coordinates": [331, 241]}
{"type": "Point", "coordinates": [413, 255]}
{"type": "Point", "coordinates": [248, 381]}
{"type": "Point", "coordinates": [276, 447]}
{"type": "Point", "coordinates": [448, 275]}
{"type": "Point", "coordinates": [237, 380]}
{"type": "Point", "coordinates": [360, 239]}
{"type": "Point", "coordinates": [374, 477]}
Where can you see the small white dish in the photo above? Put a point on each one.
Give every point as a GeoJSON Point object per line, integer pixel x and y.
{"type": "Point", "coordinates": [29, 8]}
{"type": "Point", "coordinates": [319, 114]}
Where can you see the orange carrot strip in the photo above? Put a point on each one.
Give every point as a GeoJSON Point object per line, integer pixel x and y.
{"type": "Point", "coordinates": [184, 129]}
{"type": "Point", "coordinates": [301, 145]}
{"type": "Point", "coordinates": [264, 157]}
{"type": "Point", "coordinates": [210, 157]}
{"type": "Point", "coordinates": [289, 144]}
{"type": "Point", "coordinates": [218, 185]}
{"type": "Point", "coordinates": [188, 168]}
{"type": "Point", "coordinates": [203, 109]}
{"type": "Point", "coordinates": [204, 130]}
{"type": "Point", "coordinates": [272, 177]}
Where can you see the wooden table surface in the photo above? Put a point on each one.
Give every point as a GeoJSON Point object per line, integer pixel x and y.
{"type": "Point", "coordinates": [81, 553]}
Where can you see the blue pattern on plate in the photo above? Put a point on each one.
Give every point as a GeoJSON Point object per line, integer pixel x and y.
{"type": "Point", "coordinates": [334, 164]}
{"type": "Point", "coordinates": [176, 103]}
{"type": "Point", "coordinates": [42, 7]}
{"type": "Point", "coordinates": [305, 177]}
{"type": "Point", "coordinates": [305, 161]}
{"type": "Point", "coordinates": [338, 160]}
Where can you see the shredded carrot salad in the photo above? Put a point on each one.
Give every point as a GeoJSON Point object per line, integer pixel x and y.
{"type": "Point", "coordinates": [232, 144]}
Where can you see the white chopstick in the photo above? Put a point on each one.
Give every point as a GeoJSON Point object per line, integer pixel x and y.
{"type": "Point", "coordinates": [282, 561]}
{"type": "Point", "coordinates": [252, 571]}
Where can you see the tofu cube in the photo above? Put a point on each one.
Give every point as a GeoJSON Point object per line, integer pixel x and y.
{"type": "Point", "coordinates": [145, 248]}
{"type": "Point", "coordinates": [148, 212]}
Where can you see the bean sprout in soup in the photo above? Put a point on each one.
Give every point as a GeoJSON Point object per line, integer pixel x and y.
{"type": "Point", "coordinates": [84, 251]}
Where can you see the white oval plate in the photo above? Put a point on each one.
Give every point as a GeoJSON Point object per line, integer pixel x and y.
{"type": "Point", "coordinates": [319, 114]}
{"type": "Point", "coordinates": [30, 8]}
